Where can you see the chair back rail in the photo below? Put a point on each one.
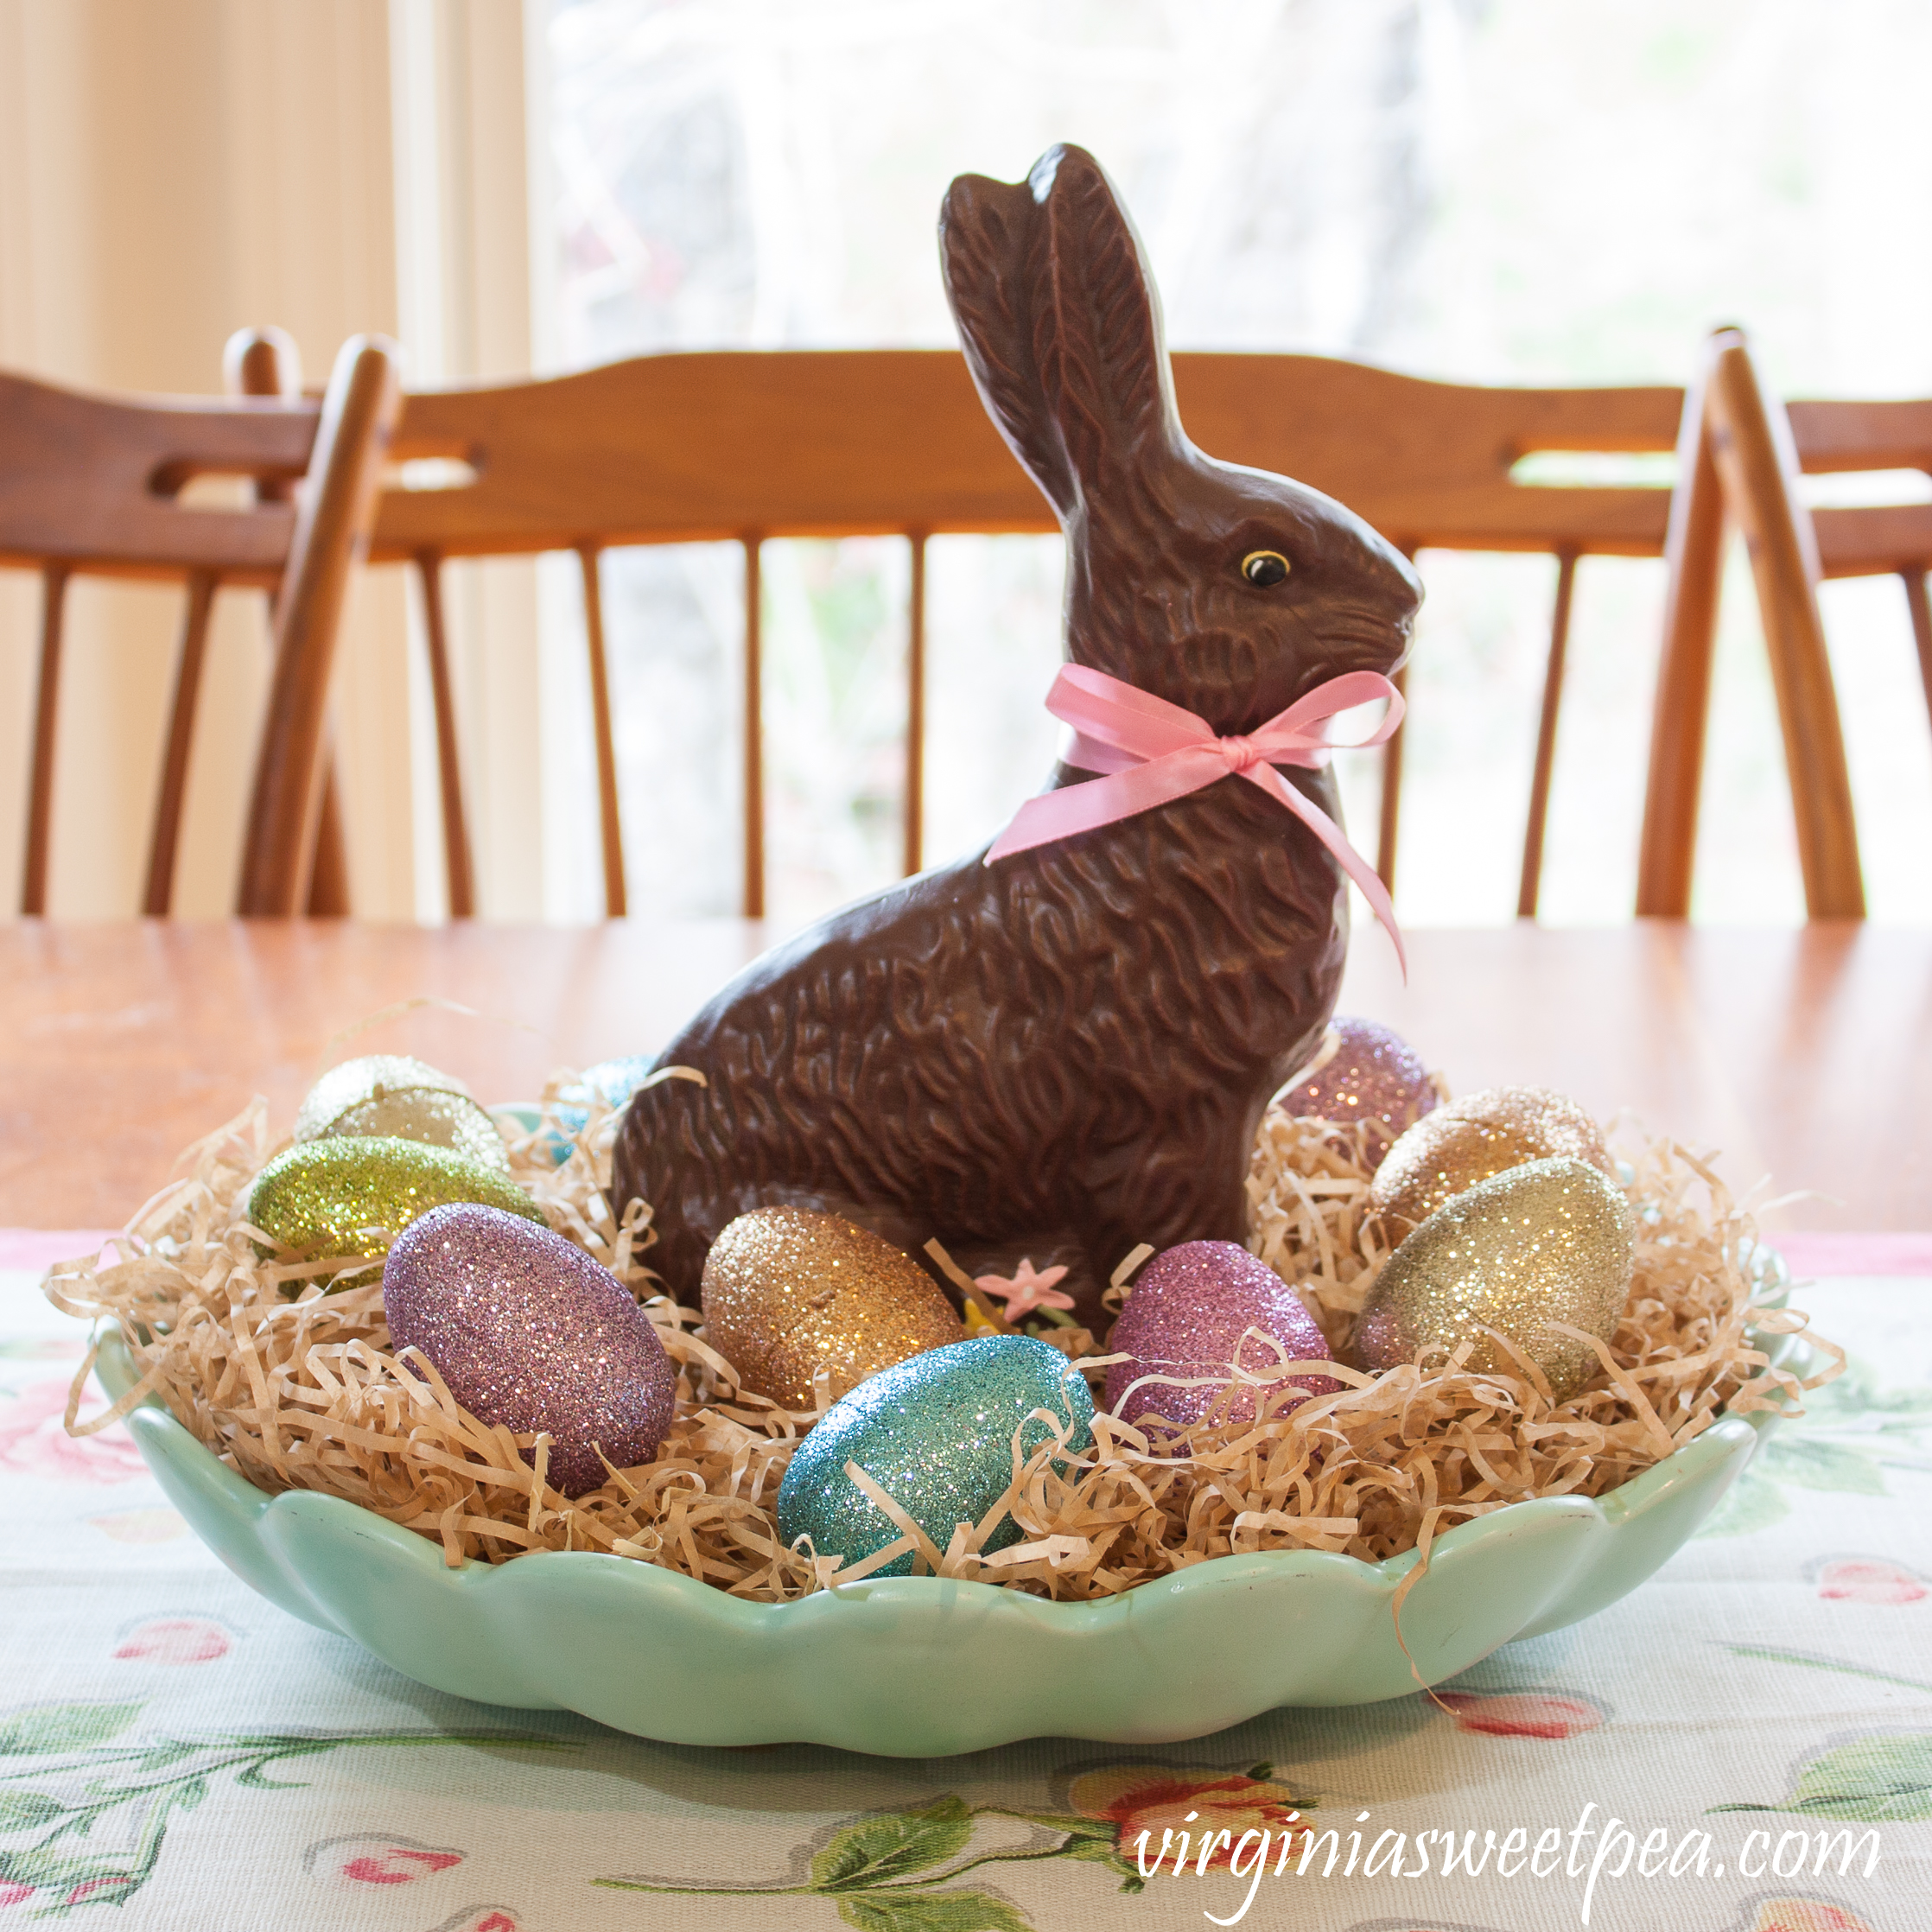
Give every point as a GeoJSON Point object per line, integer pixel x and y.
{"type": "Point", "coordinates": [91, 485]}
{"type": "Point", "coordinates": [744, 446]}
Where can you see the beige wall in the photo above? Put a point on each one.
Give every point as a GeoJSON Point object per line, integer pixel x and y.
{"type": "Point", "coordinates": [171, 170]}
{"type": "Point", "coordinates": [464, 71]}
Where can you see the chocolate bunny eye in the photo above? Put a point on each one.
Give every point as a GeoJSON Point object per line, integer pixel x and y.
{"type": "Point", "coordinates": [1263, 568]}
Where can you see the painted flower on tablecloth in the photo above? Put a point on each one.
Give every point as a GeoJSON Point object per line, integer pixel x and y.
{"type": "Point", "coordinates": [13, 1893]}
{"type": "Point", "coordinates": [174, 1640]}
{"type": "Point", "coordinates": [1523, 1714]}
{"type": "Point", "coordinates": [1158, 1799]}
{"type": "Point", "coordinates": [364, 1859]}
{"type": "Point", "coordinates": [1805, 1915]}
{"type": "Point", "coordinates": [1869, 1580]}
{"type": "Point", "coordinates": [34, 1439]}
{"type": "Point", "coordinates": [481, 1918]}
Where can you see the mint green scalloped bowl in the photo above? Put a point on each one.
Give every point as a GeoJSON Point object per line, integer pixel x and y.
{"type": "Point", "coordinates": [914, 1666]}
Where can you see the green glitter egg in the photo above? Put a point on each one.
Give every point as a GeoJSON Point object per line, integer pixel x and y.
{"type": "Point", "coordinates": [936, 1433]}
{"type": "Point", "coordinates": [390, 1094]}
{"type": "Point", "coordinates": [354, 1194]}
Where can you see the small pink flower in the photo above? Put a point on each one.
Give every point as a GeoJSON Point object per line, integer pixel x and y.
{"type": "Point", "coordinates": [175, 1640]}
{"type": "Point", "coordinates": [34, 1438]}
{"type": "Point", "coordinates": [1805, 1915]}
{"type": "Point", "coordinates": [362, 1860]}
{"type": "Point", "coordinates": [1864, 1580]}
{"type": "Point", "coordinates": [481, 1918]}
{"type": "Point", "coordinates": [1520, 1716]}
{"type": "Point", "coordinates": [12, 1892]}
{"type": "Point", "coordinates": [1164, 1802]}
{"type": "Point", "coordinates": [1024, 1291]}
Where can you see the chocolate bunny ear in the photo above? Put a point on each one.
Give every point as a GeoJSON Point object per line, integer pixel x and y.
{"type": "Point", "coordinates": [1060, 322]}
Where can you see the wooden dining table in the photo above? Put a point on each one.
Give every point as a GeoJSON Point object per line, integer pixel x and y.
{"type": "Point", "coordinates": [1804, 1055]}
{"type": "Point", "coordinates": [1770, 1688]}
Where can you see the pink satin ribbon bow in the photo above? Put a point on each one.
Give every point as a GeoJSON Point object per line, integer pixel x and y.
{"type": "Point", "coordinates": [1151, 751]}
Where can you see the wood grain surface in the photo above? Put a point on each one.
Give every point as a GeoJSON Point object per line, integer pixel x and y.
{"type": "Point", "coordinates": [1802, 1052]}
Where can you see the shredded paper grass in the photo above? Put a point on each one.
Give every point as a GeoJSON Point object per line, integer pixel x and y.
{"type": "Point", "coordinates": [290, 1380]}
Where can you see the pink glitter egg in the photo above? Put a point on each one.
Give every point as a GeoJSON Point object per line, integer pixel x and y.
{"type": "Point", "coordinates": [1190, 1308]}
{"type": "Point", "coordinates": [531, 1334]}
{"type": "Point", "coordinates": [1373, 1076]}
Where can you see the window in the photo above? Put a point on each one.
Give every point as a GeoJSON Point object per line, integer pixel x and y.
{"type": "Point", "coordinates": [1480, 189]}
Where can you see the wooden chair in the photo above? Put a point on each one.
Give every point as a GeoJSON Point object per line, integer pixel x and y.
{"type": "Point", "coordinates": [1756, 450]}
{"type": "Point", "coordinates": [91, 485]}
{"type": "Point", "coordinates": [744, 446]}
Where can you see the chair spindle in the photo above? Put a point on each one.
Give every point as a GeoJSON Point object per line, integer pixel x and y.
{"type": "Point", "coordinates": [754, 731]}
{"type": "Point", "coordinates": [158, 900]}
{"type": "Point", "coordinates": [615, 904]}
{"type": "Point", "coordinates": [1921, 608]}
{"type": "Point", "coordinates": [915, 711]}
{"type": "Point", "coordinates": [455, 827]}
{"type": "Point", "coordinates": [40, 795]}
{"type": "Point", "coordinates": [1531, 882]}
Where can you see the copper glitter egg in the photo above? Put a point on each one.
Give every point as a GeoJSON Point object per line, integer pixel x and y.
{"type": "Point", "coordinates": [1549, 1240]}
{"type": "Point", "coordinates": [1365, 1074]}
{"type": "Point", "coordinates": [788, 1291]}
{"type": "Point", "coordinates": [354, 1194]}
{"type": "Point", "coordinates": [391, 1095]}
{"type": "Point", "coordinates": [1467, 1141]}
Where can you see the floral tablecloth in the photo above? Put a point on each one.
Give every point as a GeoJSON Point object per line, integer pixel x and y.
{"type": "Point", "coordinates": [1744, 1745]}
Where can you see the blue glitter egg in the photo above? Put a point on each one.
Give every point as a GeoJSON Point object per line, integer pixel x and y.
{"type": "Point", "coordinates": [612, 1082]}
{"type": "Point", "coordinates": [521, 1119]}
{"type": "Point", "coordinates": [936, 1433]}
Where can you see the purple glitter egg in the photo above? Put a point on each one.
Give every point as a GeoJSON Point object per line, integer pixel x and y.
{"type": "Point", "coordinates": [531, 1332]}
{"type": "Point", "coordinates": [1372, 1076]}
{"type": "Point", "coordinates": [1189, 1309]}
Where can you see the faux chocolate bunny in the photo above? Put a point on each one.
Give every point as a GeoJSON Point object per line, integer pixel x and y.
{"type": "Point", "coordinates": [1066, 1051]}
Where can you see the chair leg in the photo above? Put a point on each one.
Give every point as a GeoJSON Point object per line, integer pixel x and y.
{"type": "Point", "coordinates": [1693, 555]}
{"type": "Point", "coordinates": [1758, 470]}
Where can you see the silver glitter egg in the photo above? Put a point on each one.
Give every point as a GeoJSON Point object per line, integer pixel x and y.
{"type": "Point", "coordinates": [936, 1433]}
{"type": "Point", "coordinates": [1549, 1240]}
{"type": "Point", "coordinates": [393, 1095]}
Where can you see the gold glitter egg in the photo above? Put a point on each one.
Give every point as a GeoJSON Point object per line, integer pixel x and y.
{"type": "Point", "coordinates": [352, 1194]}
{"type": "Point", "coordinates": [1549, 1240]}
{"type": "Point", "coordinates": [390, 1094]}
{"type": "Point", "coordinates": [1467, 1141]}
{"type": "Point", "coordinates": [788, 1291]}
